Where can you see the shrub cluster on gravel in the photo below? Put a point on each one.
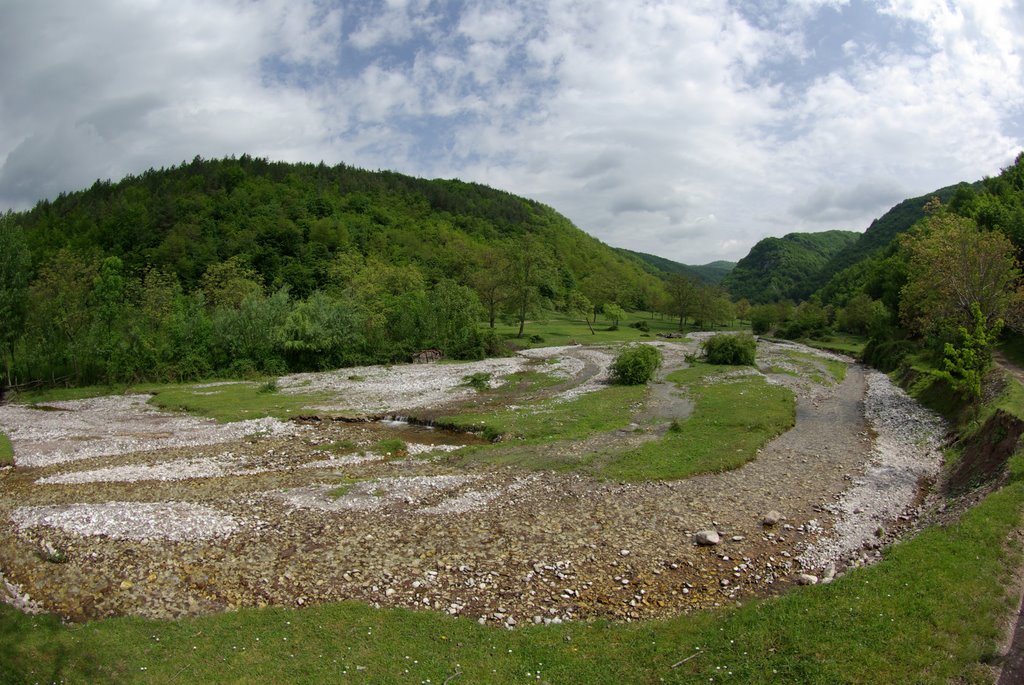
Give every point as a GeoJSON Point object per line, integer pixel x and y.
{"type": "Point", "coordinates": [635, 365]}
{"type": "Point", "coordinates": [737, 350]}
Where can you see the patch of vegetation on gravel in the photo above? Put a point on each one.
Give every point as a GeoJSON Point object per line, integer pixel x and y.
{"type": "Point", "coordinates": [733, 417]}
{"type": "Point", "coordinates": [6, 451]}
{"type": "Point", "coordinates": [233, 401]}
{"type": "Point", "coordinates": [550, 420]}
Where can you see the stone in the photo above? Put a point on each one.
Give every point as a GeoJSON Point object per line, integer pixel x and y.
{"type": "Point", "coordinates": [806, 579]}
{"type": "Point", "coordinates": [707, 538]}
{"type": "Point", "coordinates": [771, 518]}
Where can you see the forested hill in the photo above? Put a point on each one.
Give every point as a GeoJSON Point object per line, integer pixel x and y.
{"type": "Point", "coordinates": [882, 231]}
{"type": "Point", "coordinates": [711, 273]}
{"type": "Point", "coordinates": [785, 268]}
{"type": "Point", "coordinates": [242, 265]}
{"type": "Point", "coordinates": [290, 222]}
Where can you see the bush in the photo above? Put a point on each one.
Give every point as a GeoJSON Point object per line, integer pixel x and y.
{"type": "Point", "coordinates": [641, 325]}
{"type": "Point", "coordinates": [739, 350]}
{"type": "Point", "coordinates": [479, 381]}
{"type": "Point", "coordinates": [635, 365]}
{"type": "Point", "coordinates": [887, 355]}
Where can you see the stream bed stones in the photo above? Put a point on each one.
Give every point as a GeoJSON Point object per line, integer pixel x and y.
{"type": "Point", "coordinates": [193, 525]}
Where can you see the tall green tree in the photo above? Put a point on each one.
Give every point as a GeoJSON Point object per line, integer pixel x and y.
{"type": "Point", "coordinates": [682, 296]}
{"type": "Point", "coordinates": [529, 270]}
{"type": "Point", "coordinates": [14, 278]}
{"type": "Point", "coordinates": [954, 266]}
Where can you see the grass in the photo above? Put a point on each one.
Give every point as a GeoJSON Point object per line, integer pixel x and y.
{"type": "Point", "coordinates": [558, 329]}
{"type": "Point", "coordinates": [391, 447]}
{"type": "Point", "coordinates": [843, 343]}
{"type": "Point", "coordinates": [732, 419]}
{"type": "Point", "coordinates": [233, 401]}
{"type": "Point", "coordinates": [550, 420]}
{"type": "Point", "coordinates": [343, 488]}
{"type": "Point", "coordinates": [6, 451]}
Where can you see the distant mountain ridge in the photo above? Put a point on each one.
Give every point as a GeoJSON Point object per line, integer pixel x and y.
{"type": "Point", "coordinates": [711, 273]}
{"type": "Point", "coordinates": [785, 268]}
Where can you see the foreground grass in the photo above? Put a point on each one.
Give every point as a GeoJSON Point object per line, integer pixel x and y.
{"type": "Point", "coordinates": [931, 612]}
{"type": "Point", "coordinates": [732, 419]}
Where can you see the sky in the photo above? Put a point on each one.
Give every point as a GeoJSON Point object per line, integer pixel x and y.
{"type": "Point", "coordinates": [689, 130]}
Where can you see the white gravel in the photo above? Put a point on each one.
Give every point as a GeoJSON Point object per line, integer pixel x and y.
{"type": "Point", "coordinates": [225, 464]}
{"type": "Point", "coordinates": [370, 495]}
{"type": "Point", "coordinates": [130, 520]}
{"type": "Point", "coordinates": [402, 388]}
{"type": "Point", "coordinates": [906, 451]}
{"type": "Point", "coordinates": [397, 389]}
{"type": "Point", "coordinates": [118, 424]}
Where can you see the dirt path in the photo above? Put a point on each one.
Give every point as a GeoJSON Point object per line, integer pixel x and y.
{"type": "Point", "coordinates": [288, 523]}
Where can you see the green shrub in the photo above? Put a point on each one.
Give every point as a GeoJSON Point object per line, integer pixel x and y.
{"type": "Point", "coordinates": [479, 381]}
{"type": "Point", "coordinates": [641, 325]}
{"type": "Point", "coordinates": [738, 350]}
{"type": "Point", "coordinates": [635, 365]}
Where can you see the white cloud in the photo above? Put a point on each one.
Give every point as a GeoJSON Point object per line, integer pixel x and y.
{"type": "Point", "coordinates": [673, 128]}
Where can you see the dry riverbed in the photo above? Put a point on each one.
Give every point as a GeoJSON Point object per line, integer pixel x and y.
{"type": "Point", "coordinates": [116, 508]}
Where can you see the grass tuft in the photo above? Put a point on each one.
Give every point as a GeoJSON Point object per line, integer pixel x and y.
{"type": "Point", "coordinates": [6, 450]}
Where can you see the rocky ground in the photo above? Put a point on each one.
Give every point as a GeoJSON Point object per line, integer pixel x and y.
{"type": "Point", "coordinates": [115, 508]}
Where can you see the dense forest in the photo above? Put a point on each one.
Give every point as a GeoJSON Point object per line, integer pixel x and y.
{"type": "Point", "coordinates": [242, 265]}
{"type": "Point", "coordinates": [784, 268]}
{"type": "Point", "coordinates": [949, 285]}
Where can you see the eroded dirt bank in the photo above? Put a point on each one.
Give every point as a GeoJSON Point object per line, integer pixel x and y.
{"type": "Point", "coordinates": [279, 519]}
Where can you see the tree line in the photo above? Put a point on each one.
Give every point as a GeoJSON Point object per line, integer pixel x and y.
{"type": "Point", "coordinates": [240, 266]}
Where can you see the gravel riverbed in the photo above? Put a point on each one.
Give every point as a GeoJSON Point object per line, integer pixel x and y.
{"type": "Point", "coordinates": [115, 508]}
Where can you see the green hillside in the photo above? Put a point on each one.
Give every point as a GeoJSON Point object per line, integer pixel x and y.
{"type": "Point", "coordinates": [712, 273]}
{"type": "Point", "coordinates": [784, 268]}
{"type": "Point", "coordinates": [881, 232]}
{"type": "Point", "coordinates": [246, 264]}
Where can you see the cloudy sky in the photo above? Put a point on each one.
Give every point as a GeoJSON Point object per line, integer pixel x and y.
{"type": "Point", "coordinates": [689, 129]}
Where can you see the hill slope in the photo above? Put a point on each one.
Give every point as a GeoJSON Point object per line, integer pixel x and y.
{"type": "Point", "coordinates": [881, 232]}
{"type": "Point", "coordinates": [711, 273]}
{"type": "Point", "coordinates": [243, 265]}
{"type": "Point", "coordinates": [785, 268]}
{"type": "Point", "coordinates": [291, 222]}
